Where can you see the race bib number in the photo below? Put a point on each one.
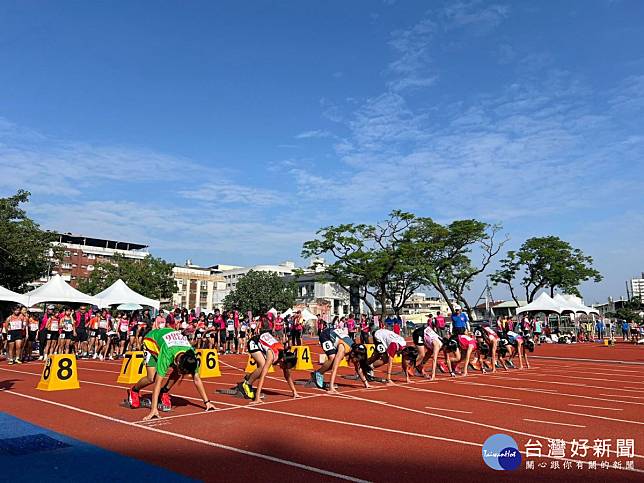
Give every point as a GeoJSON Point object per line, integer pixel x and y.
{"type": "Point", "coordinates": [268, 339]}
{"type": "Point", "coordinates": [381, 348]}
{"type": "Point", "coordinates": [252, 346]}
{"type": "Point", "coordinates": [327, 345]}
{"type": "Point", "coordinates": [231, 327]}
{"type": "Point", "coordinates": [175, 339]}
{"type": "Point", "coordinates": [15, 325]}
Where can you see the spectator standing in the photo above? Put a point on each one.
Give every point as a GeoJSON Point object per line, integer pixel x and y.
{"type": "Point", "coordinates": [599, 328]}
{"type": "Point", "coordinates": [625, 329]}
{"type": "Point", "coordinates": [351, 327]}
{"type": "Point", "coordinates": [364, 329]}
{"type": "Point", "coordinates": [459, 322]}
{"type": "Point", "coordinates": [439, 325]}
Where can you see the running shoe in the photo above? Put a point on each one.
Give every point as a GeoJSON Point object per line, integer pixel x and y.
{"type": "Point", "coordinates": [246, 390]}
{"type": "Point", "coordinates": [18, 361]}
{"type": "Point", "coordinates": [10, 361]}
{"type": "Point", "coordinates": [166, 403]}
{"type": "Point", "coordinates": [319, 379]}
{"type": "Point", "coordinates": [133, 399]}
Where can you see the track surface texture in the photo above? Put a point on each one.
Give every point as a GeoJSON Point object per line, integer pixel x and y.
{"type": "Point", "coordinates": [407, 432]}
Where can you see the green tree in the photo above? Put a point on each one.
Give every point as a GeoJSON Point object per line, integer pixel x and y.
{"type": "Point", "coordinates": [25, 249]}
{"type": "Point", "coordinates": [545, 262]}
{"type": "Point", "coordinates": [630, 310]}
{"type": "Point", "coordinates": [445, 255]}
{"type": "Point", "coordinates": [259, 292]}
{"type": "Point", "coordinates": [376, 261]}
{"type": "Point", "coordinates": [150, 276]}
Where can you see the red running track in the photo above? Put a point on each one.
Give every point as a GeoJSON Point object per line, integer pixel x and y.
{"type": "Point", "coordinates": [414, 432]}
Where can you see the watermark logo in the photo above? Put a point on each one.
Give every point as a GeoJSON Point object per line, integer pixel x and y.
{"type": "Point", "coordinates": [501, 452]}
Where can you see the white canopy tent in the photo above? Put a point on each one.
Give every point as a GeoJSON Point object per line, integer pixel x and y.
{"type": "Point", "coordinates": [543, 303]}
{"type": "Point", "coordinates": [570, 303]}
{"type": "Point", "coordinates": [308, 315]}
{"type": "Point", "coordinates": [288, 312]}
{"type": "Point", "coordinates": [7, 295]}
{"type": "Point", "coordinates": [57, 290]}
{"type": "Point", "coordinates": [119, 293]}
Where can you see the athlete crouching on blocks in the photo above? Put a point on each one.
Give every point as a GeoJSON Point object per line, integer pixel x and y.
{"type": "Point", "coordinates": [429, 344]}
{"type": "Point", "coordinates": [337, 345]}
{"type": "Point", "coordinates": [388, 344]}
{"type": "Point", "coordinates": [518, 345]}
{"type": "Point", "coordinates": [165, 349]}
{"type": "Point", "coordinates": [266, 351]}
{"type": "Point", "coordinates": [488, 343]}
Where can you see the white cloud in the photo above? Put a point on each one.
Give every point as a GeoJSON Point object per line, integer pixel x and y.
{"type": "Point", "coordinates": [314, 134]}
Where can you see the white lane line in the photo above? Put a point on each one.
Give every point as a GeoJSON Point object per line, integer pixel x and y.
{"type": "Point", "coordinates": [523, 405]}
{"type": "Point", "coordinates": [630, 397]}
{"type": "Point", "coordinates": [576, 359]}
{"type": "Point", "coordinates": [274, 459]}
{"type": "Point", "coordinates": [553, 422]}
{"type": "Point", "coordinates": [550, 375]}
{"type": "Point", "coordinates": [499, 397]}
{"type": "Point", "coordinates": [571, 385]}
{"type": "Point", "coordinates": [595, 407]}
{"type": "Point", "coordinates": [449, 410]}
{"type": "Point", "coordinates": [557, 393]}
{"type": "Point", "coordinates": [469, 422]}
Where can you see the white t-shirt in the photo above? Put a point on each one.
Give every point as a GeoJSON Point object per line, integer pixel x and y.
{"type": "Point", "coordinates": [388, 337]}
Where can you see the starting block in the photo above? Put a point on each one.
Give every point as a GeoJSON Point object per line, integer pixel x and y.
{"type": "Point", "coordinates": [251, 365]}
{"type": "Point", "coordinates": [146, 403]}
{"type": "Point", "coordinates": [133, 368]}
{"type": "Point", "coordinates": [59, 373]}
{"type": "Point", "coordinates": [303, 354]}
{"type": "Point", "coordinates": [235, 392]}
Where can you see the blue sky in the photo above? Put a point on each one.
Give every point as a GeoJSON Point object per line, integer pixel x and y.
{"type": "Point", "coordinates": [229, 132]}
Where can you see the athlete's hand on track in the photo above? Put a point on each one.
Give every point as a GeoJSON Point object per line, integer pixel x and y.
{"type": "Point", "coordinates": [154, 413]}
{"type": "Point", "coordinates": [296, 396]}
{"type": "Point", "coordinates": [389, 383]}
{"type": "Point", "coordinates": [255, 403]}
{"type": "Point", "coordinates": [210, 405]}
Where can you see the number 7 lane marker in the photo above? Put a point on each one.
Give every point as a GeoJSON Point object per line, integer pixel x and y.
{"type": "Point", "coordinates": [273, 459]}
